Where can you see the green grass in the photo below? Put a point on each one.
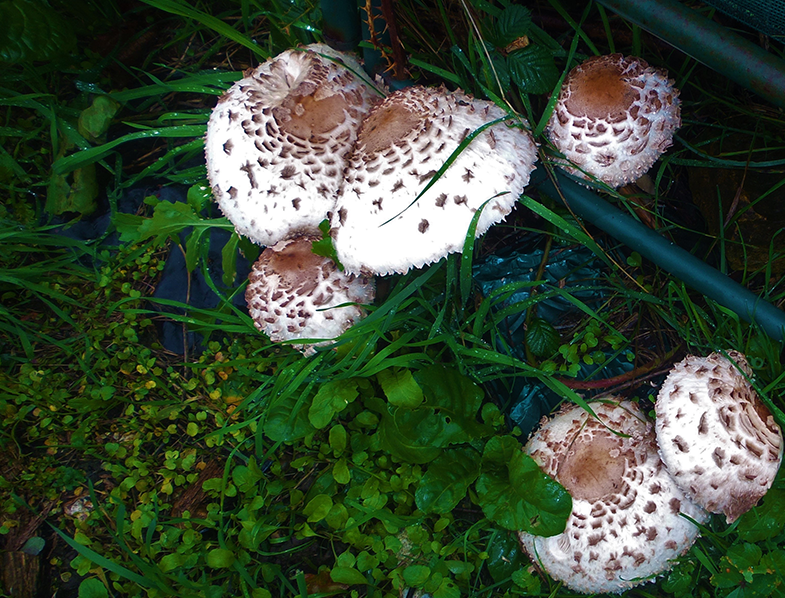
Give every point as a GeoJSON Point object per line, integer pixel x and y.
{"type": "Point", "coordinates": [250, 470]}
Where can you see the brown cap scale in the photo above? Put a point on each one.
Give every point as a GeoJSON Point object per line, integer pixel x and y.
{"type": "Point", "coordinates": [277, 138]}
{"type": "Point", "coordinates": [293, 294]}
{"type": "Point", "coordinates": [378, 227]}
{"type": "Point", "coordinates": [614, 117]}
{"type": "Point", "coordinates": [626, 524]}
{"type": "Point", "coordinates": [716, 437]}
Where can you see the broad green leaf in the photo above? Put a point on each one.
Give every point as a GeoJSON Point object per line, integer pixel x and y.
{"type": "Point", "coordinates": [416, 575]}
{"type": "Point", "coordinates": [348, 575]}
{"type": "Point", "coordinates": [515, 493]}
{"type": "Point", "coordinates": [332, 398]}
{"type": "Point", "coordinates": [532, 69]}
{"type": "Point", "coordinates": [542, 338]}
{"type": "Point", "coordinates": [447, 416]}
{"type": "Point", "coordinates": [92, 588]}
{"type": "Point", "coordinates": [33, 30]}
{"type": "Point", "coordinates": [764, 521]}
{"type": "Point", "coordinates": [220, 558]}
{"type": "Point", "coordinates": [504, 555]}
{"type": "Point", "coordinates": [447, 480]}
{"type": "Point", "coordinates": [400, 387]}
{"type": "Point", "coordinates": [318, 508]}
{"type": "Point", "coordinates": [246, 477]}
{"type": "Point", "coordinates": [287, 420]}
{"type": "Point", "coordinates": [513, 23]}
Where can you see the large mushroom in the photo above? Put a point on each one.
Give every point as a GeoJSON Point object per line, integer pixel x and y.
{"type": "Point", "coordinates": [294, 294]}
{"type": "Point", "coordinates": [385, 221]}
{"type": "Point", "coordinates": [716, 436]}
{"type": "Point", "coordinates": [614, 117]}
{"type": "Point", "coordinates": [628, 519]}
{"type": "Point", "coordinates": [277, 139]}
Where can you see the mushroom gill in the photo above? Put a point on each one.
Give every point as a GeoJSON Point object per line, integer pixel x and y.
{"type": "Point", "coordinates": [717, 438]}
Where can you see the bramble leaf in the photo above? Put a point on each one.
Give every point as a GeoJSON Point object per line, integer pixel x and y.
{"type": "Point", "coordinates": [532, 69]}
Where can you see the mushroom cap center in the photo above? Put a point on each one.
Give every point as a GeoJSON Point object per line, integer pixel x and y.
{"type": "Point", "coordinates": [386, 126]}
{"type": "Point", "coordinates": [297, 265]}
{"type": "Point", "coordinates": [306, 115]}
{"type": "Point", "coordinates": [593, 468]}
{"type": "Point", "coordinates": [600, 91]}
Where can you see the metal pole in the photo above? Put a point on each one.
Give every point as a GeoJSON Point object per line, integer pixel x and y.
{"type": "Point", "coordinates": [708, 42]}
{"type": "Point", "coordinates": [656, 248]}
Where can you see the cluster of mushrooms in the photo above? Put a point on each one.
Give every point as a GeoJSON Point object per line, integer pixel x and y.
{"type": "Point", "coordinates": [306, 137]}
{"type": "Point", "coordinates": [639, 490]}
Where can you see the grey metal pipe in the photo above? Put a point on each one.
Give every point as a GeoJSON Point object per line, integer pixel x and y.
{"type": "Point", "coordinates": [707, 42]}
{"type": "Point", "coordinates": [656, 248]}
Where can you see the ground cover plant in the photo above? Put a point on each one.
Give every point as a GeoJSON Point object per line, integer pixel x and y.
{"type": "Point", "coordinates": [156, 444]}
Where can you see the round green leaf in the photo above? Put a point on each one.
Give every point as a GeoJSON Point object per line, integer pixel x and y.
{"type": "Point", "coordinates": [92, 588]}
{"type": "Point", "coordinates": [416, 575]}
{"type": "Point", "coordinates": [400, 387]}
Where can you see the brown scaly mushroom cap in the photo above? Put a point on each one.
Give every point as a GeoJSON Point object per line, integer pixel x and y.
{"type": "Point", "coordinates": [277, 138]}
{"type": "Point", "coordinates": [716, 436]}
{"type": "Point", "coordinates": [292, 294]}
{"type": "Point", "coordinates": [614, 117]}
{"type": "Point", "coordinates": [626, 524]}
{"type": "Point", "coordinates": [401, 145]}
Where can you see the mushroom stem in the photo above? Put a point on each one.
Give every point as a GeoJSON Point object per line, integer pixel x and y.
{"type": "Point", "coordinates": [706, 41]}
{"type": "Point", "coordinates": [653, 246]}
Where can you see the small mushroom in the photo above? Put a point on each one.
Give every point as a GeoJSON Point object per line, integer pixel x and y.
{"type": "Point", "coordinates": [717, 438]}
{"type": "Point", "coordinates": [294, 294]}
{"type": "Point", "coordinates": [277, 139]}
{"type": "Point", "coordinates": [381, 223]}
{"type": "Point", "coordinates": [614, 117]}
{"type": "Point", "coordinates": [627, 522]}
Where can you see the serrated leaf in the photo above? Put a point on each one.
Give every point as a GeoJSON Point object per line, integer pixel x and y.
{"type": "Point", "coordinates": [332, 398]}
{"type": "Point", "coordinates": [532, 69]}
{"type": "Point", "coordinates": [31, 30]}
{"type": "Point", "coordinates": [348, 575]}
{"type": "Point", "coordinates": [515, 493]}
{"type": "Point", "coordinates": [542, 339]}
{"type": "Point", "coordinates": [400, 387]}
{"type": "Point", "coordinates": [220, 558]}
{"type": "Point", "coordinates": [168, 220]}
{"type": "Point", "coordinates": [513, 23]}
{"type": "Point", "coordinates": [447, 480]}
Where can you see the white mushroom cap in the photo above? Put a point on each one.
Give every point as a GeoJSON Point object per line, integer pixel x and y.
{"type": "Point", "coordinates": [292, 294]}
{"type": "Point", "coordinates": [277, 138]}
{"type": "Point", "coordinates": [401, 145]}
{"type": "Point", "coordinates": [626, 524]}
{"type": "Point", "coordinates": [614, 117]}
{"type": "Point", "coordinates": [716, 436]}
